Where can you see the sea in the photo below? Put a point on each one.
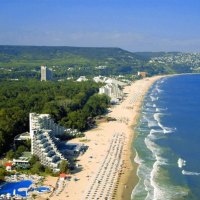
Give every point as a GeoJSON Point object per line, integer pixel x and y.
{"type": "Point", "coordinates": [167, 144]}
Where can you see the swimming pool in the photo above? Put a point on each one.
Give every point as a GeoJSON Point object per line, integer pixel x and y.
{"type": "Point", "coordinates": [43, 189]}
{"type": "Point", "coordinates": [16, 188]}
{"type": "Point", "coordinates": [20, 188]}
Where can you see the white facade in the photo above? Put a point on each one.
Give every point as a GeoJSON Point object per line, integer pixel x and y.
{"type": "Point", "coordinates": [81, 78]}
{"type": "Point", "coordinates": [43, 142]}
{"type": "Point", "coordinates": [112, 90]}
{"type": "Point", "coordinates": [103, 79]}
{"type": "Point", "coordinates": [46, 74]}
{"type": "Point", "coordinates": [99, 79]}
{"type": "Point", "coordinates": [114, 81]}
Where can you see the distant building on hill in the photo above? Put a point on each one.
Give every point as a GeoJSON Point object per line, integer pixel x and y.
{"type": "Point", "coordinates": [81, 78]}
{"type": "Point", "coordinates": [46, 74]}
{"type": "Point", "coordinates": [142, 74]}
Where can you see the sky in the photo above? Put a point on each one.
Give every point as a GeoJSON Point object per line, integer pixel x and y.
{"type": "Point", "coordinates": [134, 25]}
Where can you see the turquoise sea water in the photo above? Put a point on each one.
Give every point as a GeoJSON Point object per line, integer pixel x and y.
{"type": "Point", "coordinates": [168, 141]}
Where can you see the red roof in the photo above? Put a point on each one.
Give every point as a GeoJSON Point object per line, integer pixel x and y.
{"type": "Point", "coordinates": [63, 175]}
{"type": "Point", "coordinates": [8, 164]}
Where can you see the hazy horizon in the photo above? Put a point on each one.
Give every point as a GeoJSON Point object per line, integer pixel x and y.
{"type": "Point", "coordinates": [98, 47]}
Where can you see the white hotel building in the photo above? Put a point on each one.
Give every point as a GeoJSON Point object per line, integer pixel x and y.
{"type": "Point", "coordinates": [112, 90]}
{"type": "Point", "coordinates": [43, 141]}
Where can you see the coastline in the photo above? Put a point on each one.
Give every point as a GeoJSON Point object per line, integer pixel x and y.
{"type": "Point", "coordinates": [99, 140]}
{"type": "Point", "coordinates": [129, 178]}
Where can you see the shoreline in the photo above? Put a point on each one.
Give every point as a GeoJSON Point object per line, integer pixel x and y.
{"type": "Point", "coordinates": [129, 178]}
{"type": "Point", "coordinates": [99, 141]}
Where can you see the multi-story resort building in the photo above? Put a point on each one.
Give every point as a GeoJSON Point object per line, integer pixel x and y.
{"type": "Point", "coordinates": [103, 79]}
{"type": "Point", "coordinates": [112, 90]}
{"type": "Point", "coordinates": [44, 144]}
{"type": "Point", "coordinates": [81, 78]}
{"type": "Point", "coordinates": [46, 74]}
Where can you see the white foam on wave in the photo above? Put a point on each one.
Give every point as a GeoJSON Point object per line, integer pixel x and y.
{"type": "Point", "coordinates": [160, 109]}
{"type": "Point", "coordinates": [157, 117]}
{"type": "Point", "coordinates": [164, 128]}
{"type": "Point", "coordinates": [184, 172]}
{"type": "Point", "coordinates": [137, 159]}
{"type": "Point", "coordinates": [162, 81]}
{"type": "Point", "coordinates": [143, 173]}
{"type": "Point", "coordinates": [148, 104]}
{"type": "Point", "coordinates": [149, 186]}
{"type": "Point", "coordinates": [154, 134]}
{"type": "Point", "coordinates": [155, 192]}
{"type": "Point", "coordinates": [156, 151]}
{"type": "Point", "coordinates": [152, 123]}
{"type": "Point", "coordinates": [152, 98]}
{"type": "Point", "coordinates": [181, 163]}
{"type": "Point", "coordinates": [154, 131]}
{"type": "Point", "coordinates": [162, 191]}
{"type": "Point", "coordinates": [143, 118]}
{"type": "Point", "coordinates": [158, 89]}
{"type": "Point", "coordinates": [168, 130]}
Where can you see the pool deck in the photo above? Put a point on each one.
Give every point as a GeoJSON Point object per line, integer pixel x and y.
{"type": "Point", "coordinates": [21, 185]}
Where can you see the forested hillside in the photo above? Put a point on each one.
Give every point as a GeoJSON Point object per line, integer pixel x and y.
{"type": "Point", "coordinates": [36, 55]}
{"type": "Point", "coordinates": [25, 61]}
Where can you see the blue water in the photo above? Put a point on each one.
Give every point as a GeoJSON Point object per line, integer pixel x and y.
{"type": "Point", "coordinates": [10, 187]}
{"type": "Point", "coordinates": [43, 189]}
{"type": "Point", "coordinates": [16, 186]}
{"type": "Point", "coordinates": [168, 138]}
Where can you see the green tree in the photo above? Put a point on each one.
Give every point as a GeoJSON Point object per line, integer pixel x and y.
{"type": "Point", "coordinates": [33, 160]}
{"type": "Point", "coordinates": [2, 173]}
{"type": "Point", "coordinates": [37, 168]}
{"type": "Point", "coordinates": [48, 170]}
{"type": "Point", "coordinates": [77, 120]}
{"type": "Point", "coordinates": [10, 154]}
{"type": "Point", "coordinates": [20, 150]}
{"type": "Point", "coordinates": [96, 105]}
{"type": "Point", "coordinates": [64, 166]}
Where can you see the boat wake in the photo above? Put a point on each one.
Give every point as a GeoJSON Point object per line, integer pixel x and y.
{"type": "Point", "coordinates": [190, 173]}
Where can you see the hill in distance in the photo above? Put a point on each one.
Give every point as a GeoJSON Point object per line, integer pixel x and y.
{"type": "Point", "coordinates": [53, 55]}
{"type": "Point", "coordinates": [24, 61]}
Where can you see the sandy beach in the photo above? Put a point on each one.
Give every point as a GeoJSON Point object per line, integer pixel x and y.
{"type": "Point", "coordinates": [106, 165]}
